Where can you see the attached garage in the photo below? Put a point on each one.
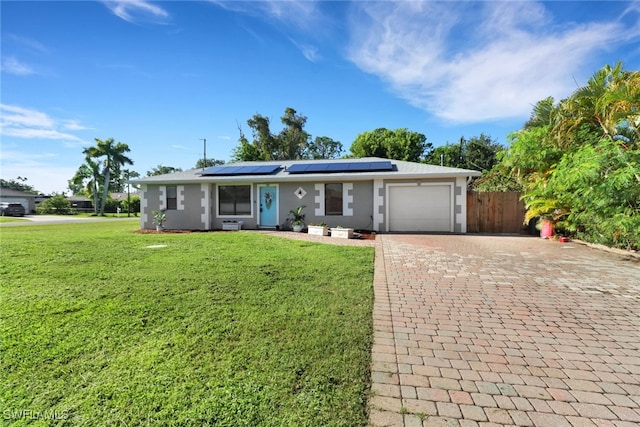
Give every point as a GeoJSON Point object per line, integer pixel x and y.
{"type": "Point", "coordinates": [14, 196]}
{"type": "Point", "coordinates": [425, 207]}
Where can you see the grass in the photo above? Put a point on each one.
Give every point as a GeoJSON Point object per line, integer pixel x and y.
{"type": "Point", "coordinates": [11, 219]}
{"type": "Point", "coordinates": [225, 329]}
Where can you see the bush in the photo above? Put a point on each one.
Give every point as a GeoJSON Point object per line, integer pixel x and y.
{"type": "Point", "coordinates": [111, 205]}
{"type": "Point", "coordinates": [132, 205]}
{"type": "Point", "coordinates": [57, 205]}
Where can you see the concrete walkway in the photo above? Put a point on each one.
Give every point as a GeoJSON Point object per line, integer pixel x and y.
{"type": "Point", "coordinates": [489, 331]}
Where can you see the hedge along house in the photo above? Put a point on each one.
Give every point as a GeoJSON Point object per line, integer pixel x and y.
{"type": "Point", "coordinates": [368, 193]}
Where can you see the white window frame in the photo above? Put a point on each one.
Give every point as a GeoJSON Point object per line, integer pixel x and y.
{"type": "Point", "coordinates": [235, 184]}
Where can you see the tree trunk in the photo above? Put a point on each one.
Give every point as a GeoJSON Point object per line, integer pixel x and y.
{"type": "Point", "coordinates": [105, 191]}
{"type": "Point", "coordinates": [95, 197]}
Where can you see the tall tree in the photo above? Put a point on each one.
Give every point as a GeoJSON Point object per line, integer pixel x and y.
{"type": "Point", "coordinates": [114, 154]}
{"type": "Point", "coordinates": [399, 144]}
{"type": "Point", "coordinates": [324, 147]}
{"type": "Point", "coordinates": [449, 154]}
{"type": "Point", "coordinates": [291, 143]}
{"type": "Point", "coordinates": [293, 139]}
{"type": "Point", "coordinates": [578, 161]}
{"type": "Point", "coordinates": [19, 184]}
{"type": "Point", "coordinates": [87, 181]}
{"type": "Point", "coordinates": [162, 170]}
{"type": "Point", "coordinates": [478, 152]}
{"type": "Point", "coordinates": [263, 146]}
{"type": "Point", "coordinates": [202, 163]}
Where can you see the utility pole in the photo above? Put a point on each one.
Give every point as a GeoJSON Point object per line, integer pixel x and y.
{"type": "Point", "coordinates": [204, 159]}
{"type": "Point", "coordinates": [128, 172]}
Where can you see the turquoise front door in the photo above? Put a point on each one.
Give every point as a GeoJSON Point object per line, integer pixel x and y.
{"type": "Point", "coordinates": [268, 206]}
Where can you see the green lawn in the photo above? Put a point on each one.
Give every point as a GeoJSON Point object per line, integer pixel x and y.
{"type": "Point", "coordinates": [11, 219]}
{"type": "Point", "coordinates": [228, 329]}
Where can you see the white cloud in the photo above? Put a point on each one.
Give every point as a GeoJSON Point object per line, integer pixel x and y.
{"type": "Point", "coordinates": [300, 14]}
{"type": "Point", "coordinates": [476, 61]}
{"type": "Point", "coordinates": [309, 51]}
{"type": "Point", "coordinates": [33, 45]}
{"type": "Point", "coordinates": [13, 116]}
{"type": "Point", "coordinates": [74, 125]}
{"type": "Point", "coordinates": [291, 16]}
{"type": "Point", "coordinates": [42, 170]}
{"type": "Point", "coordinates": [11, 65]}
{"type": "Point", "coordinates": [38, 134]}
{"type": "Point", "coordinates": [20, 122]}
{"type": "Point", "coordinates": [137, 10]}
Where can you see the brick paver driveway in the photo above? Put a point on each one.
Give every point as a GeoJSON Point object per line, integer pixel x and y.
{"type": "Point", "coordinates": [479, 330]}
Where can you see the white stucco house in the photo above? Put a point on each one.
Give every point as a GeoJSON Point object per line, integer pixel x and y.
{"type": "Point", "coordinates": [367, 193]}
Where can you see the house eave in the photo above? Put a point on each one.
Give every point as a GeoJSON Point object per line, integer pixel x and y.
{"type": "Point", "coordinates": [308, 178]}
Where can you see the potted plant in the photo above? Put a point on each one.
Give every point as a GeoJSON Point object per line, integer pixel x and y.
{"type": "Point", "coordinates": [341, 232]}
{"type": "Point", "coordinates": [320, 229]}
{"type": "Point", "coordinates": [159, 217]}
{"type": "Point", "coordinates": [297, 218]}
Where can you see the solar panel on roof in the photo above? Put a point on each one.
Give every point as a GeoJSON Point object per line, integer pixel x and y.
{"type": "Point", "coordinates": [334, 167]}
{"type": "Point", "coordinates": [297, 168]}
{"type": "Point", "coordinates": [379, 166]}
{"type": "Point", "coordinates": [240, 170]}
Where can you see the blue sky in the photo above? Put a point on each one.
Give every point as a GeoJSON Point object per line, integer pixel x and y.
{"type": "Point", "coordinates": [161, 75]}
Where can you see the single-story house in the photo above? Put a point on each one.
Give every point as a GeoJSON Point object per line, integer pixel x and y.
{"type": "Point", "coordinates": [81, 203]}
{"type": "Point", "coordinates": [27, 200]}
{"type": "Point", "coordinates": [366, 193]}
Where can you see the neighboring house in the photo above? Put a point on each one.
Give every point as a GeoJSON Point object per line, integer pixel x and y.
{"type": "Point", "coordinates": [81, 203]}
{"type": "Point", "coordinates": [122, 196]}
{"type": "Point", "coordinates": [369, 193]}
{"type": "Point", "coordinates": [27, 200]}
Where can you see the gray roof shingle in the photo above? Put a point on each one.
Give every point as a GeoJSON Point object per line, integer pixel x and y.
{"type": "Point", "coordinates": [409, 170]}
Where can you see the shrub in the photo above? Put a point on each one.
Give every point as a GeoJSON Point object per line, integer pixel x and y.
{"type": "Point", "coordinates": [132, 205]}
{"type": "Point", "coordinates": [57, 205]}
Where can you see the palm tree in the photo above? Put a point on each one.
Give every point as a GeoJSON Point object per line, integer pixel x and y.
{"type": "Point", "coordinates": [88, 177]}
{"type": "Point", "coordinates": [609, 102]}
{"type": "Point", "coordinates": [115, 157]}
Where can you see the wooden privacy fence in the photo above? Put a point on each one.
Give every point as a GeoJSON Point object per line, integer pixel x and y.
{"type": "Point", "coordinates": [495, 212]}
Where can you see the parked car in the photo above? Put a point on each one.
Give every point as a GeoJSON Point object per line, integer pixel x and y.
{"type": "Point", "coordinates": [11, 209]}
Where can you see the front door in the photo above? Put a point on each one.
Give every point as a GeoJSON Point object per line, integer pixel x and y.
{"type": "Point", "coordinates": [268, 206]}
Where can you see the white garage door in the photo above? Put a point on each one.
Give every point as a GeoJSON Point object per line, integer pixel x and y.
{"type": "Point", "coordinates": [23, 202]}
{"type": "Point", "coordinates": [421, 208]}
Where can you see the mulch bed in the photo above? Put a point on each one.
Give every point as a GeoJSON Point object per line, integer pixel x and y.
{"type": "Point", "coordinates": [166, 231]}
{"type": "Point", "coordinates": [364, 234]}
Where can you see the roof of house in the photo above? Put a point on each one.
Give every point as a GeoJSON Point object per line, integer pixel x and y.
{"type": "Point", "coordinates": [122, 196]}
{"type": "Point", "coordinates": [400, 169]}
{"type": "Point", "coordinates": [8, 192]}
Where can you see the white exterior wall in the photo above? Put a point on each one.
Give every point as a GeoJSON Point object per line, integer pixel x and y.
{"type": "Point", "coordinates": [162, 198]}
{"type": "Point", "coordinates": [347, 199]}
{"type": "Point", "coordinates": [180, 197]}
{"type": "Point", "coordinates": [144, 203]}
{"type": "Point", "coordinates": [461, 204]}
{"type": "Point", "coordinates": [205, 204]}
{"type": "Point", "coordinates": [378, 204]}
{"type": "Point", "coordinates": [319, 199]}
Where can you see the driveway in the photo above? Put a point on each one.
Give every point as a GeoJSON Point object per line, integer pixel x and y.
{"type": "Point", "coordinates": [485, 330]}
